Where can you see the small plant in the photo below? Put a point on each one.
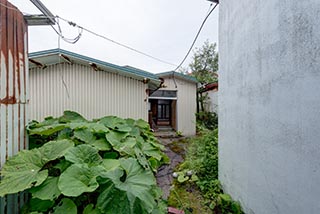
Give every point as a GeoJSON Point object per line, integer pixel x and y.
{"type": "Point", "coordinates": [179, 133]}
{"type": "Point", "coordinates": [227, 205]}
{"type": "Point", "coordinates": [185, 175]}
{"type": "Point", "coordinates": [80, 166]}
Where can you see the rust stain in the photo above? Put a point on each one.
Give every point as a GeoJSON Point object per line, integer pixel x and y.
{"type": "Point", "coordinates": [8, 100]}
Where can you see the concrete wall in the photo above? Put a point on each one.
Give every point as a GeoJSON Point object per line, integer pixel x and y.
{"type": "Point", "coordinates": [93, 94]}
{"type": "Point", "coordinates": [269, 104]}
{"type": "Point", "coordinates": [186, 103]}
{"type": "Point", "coordinates": [212, 104]}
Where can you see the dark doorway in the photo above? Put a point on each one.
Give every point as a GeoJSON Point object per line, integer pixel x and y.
{"type": "Point", "coordinates": [162, 113]}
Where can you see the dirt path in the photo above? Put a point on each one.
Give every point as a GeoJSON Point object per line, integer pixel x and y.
{"type": "Point", "coordinates": [175, 149]}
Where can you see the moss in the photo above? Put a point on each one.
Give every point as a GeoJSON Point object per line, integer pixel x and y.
{"type": "Point", "coordinates": [179, 146]}
{"type": "Point", "coordinates": [188, 198]}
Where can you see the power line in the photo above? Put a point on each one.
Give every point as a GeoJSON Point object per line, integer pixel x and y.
{"type": "Point", "coordinates": [195, 39]}
{"type": "Point", "coordinates": [81, 29]}
{"type": "Point", "coordinates": [60, 34]}
{"type": "Point", "coordinates": [115, 42]}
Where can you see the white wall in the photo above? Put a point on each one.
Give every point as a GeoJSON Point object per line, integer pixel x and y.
{"type": "Point", "coordinates": [212, 104]}
{"type": "Point", "coordinates": [186, 104]}
{"type": "Point", "coordinates": [91, 93]}
{"type": "Point", "coordinates": [269, 104]}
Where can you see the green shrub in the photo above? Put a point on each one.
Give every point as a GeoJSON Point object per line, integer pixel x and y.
{"type": "Point", "coordinates": [207, 120]}
{"type": "Point", "coordinates": [202, 156]}
{"type": "Point", "coordinates": [202, 159]}
{"type": "Point", "coordinates": [80, 166]}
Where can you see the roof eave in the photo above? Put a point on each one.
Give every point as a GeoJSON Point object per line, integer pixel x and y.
{"type": "Point", "coordinates": [102, 65]}
{"type": "Point", "coordinates": [176, 74]}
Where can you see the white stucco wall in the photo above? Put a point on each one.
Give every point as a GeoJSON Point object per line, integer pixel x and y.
{"type": "Point", "coordinates": [212, 104]}
{"type": "Point", "coordinates": [269, 104]}
{"type": "Point", "coordinates": [92, 93]}
{"type": "Point", "coordinates": [186, 103]}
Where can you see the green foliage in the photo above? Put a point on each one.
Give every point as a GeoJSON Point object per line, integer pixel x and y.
{"type": "Point", "coordinates": [202, 159]}
{"type": "Point", "coordinates": [80, 166]}
{"type": "Point", "coordinates": [202, 156]}
{"type": "Point", "coordinates": [227, 205]}
{"type": "Point", "coordinates": [206, 120]}
{"type": "Point", "coordinates": [205, 63]}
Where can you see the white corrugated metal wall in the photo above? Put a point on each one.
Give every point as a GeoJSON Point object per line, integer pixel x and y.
{"type": "Point", "coordinates": [91, 93]}
{"type": "Point", "coordinates": [186, 103]}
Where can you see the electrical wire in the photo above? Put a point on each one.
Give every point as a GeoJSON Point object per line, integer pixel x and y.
{"type": "Point", "coordinates": [60, 70]}
{"type": "Point", "coordinates": [197, 35]}
{"type": "Point", "coordinates": [60, 34]}
{"type": "Point", "coordinates": [115, 42]}
{"type": "Point", "coordinates": [81, 29]}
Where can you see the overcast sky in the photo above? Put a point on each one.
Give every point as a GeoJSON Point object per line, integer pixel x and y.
{"type": "Point", "coordinates": [162, 28]}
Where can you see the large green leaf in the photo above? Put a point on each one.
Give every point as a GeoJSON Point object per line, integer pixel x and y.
{"type": "Point", "coordinates": [66, 206]}
{"type": "Point", "coordinates": [55, 149]}
{"type": "Point", "coordinates": [83, 154]}
{"type": "Point", "coordinates": [36, 204]}
{"type": "Point", "coordinates": [89, 209]}
{"type": "Point", "coordinates": [76, 180]}
{"type": "Point", "coordinates": [132, 185]}
{"type": "Point", "coordinates": [112, 121]}
{"type": "Point", "coordinates": [84, 135]}
{"type": "Point", "coordinates": [113, 200]}
{"type": "Point", "coordinates": [151, 151]}
{"type": "Point", "coordinates": [48, 190]}
{"type": "Point", "coordinates": [122, 128]}
{"type": "Point", "coordinates": [47, 130]}
{"type": "Point", "coordinates": [110, 164]}
{"type": "Point", "coordinates": [142, 124]}
{"type": "Point", "coordinates": [23, 170]}
{"type": "Point", "coordinates": [71, 116]}
{"type": "Point", "coordinates": [141, 158]}
{"type": "Point", "coordinates": [98, 128]}
{"type": "Point", "coordinates": [101, 144]}
{"type": "Point", "coordinates": [125, 146]}
{"type": "Point", "coordinates": [115, 137]}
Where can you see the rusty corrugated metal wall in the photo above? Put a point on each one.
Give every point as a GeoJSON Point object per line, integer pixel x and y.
{"type": "Point", "coordinates": [13, 91]}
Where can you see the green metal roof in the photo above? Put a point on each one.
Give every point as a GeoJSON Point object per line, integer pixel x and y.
{"type": "Point", "coordinates": [126, 70]}
{"type": "Point", "coordinates": [177, 74]}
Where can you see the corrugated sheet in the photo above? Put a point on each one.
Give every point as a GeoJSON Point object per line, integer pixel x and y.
{"type": "Point", "coordinates": [13, 91]}
{"type": "Point", "coordinates": [91, 93]}
{"type": "Point", "coordinates": [186, 103]}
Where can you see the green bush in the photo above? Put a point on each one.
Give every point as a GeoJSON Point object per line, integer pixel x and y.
{"type": "Point", "coordinates": [202, 155]}
{"type": "Point", "coordinates": [80, 166]}
{"type": "Point", "coordinates": [202, 159]}
{"type": "Point", "coordinates": [207, 120]}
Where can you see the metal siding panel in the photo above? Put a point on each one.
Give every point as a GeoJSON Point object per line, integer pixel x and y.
{"type": "Point", "coordinates": [92, 93]}
{"type": "Point", "coordinates": [3, 133]}
{"type": "Point", "coordinates": [13, 91]}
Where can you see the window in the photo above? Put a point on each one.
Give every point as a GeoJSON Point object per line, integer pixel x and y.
{"type": "Point", "coordinates": [164, 107]}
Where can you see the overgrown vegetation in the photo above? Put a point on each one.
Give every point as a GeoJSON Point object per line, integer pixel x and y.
{"type": "Point", "coordinates": [91, 167]}
{"type": "Point", "coordinates": [201, 160]}
{"type": "Point", "coordinates": [206, 121]}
